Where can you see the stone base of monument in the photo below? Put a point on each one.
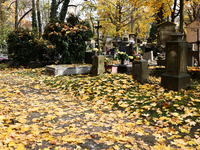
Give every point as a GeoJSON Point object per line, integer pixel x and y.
{"type": "Point", "coordinates": [68, 69]}
{"type": "Point", "coordinates": [124, 69]}
{"type": "Point", "coordinates": [175, 82]}
{"type": "Point", "coordinates": [140, 71]}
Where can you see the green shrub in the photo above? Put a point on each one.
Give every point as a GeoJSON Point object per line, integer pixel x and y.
{"type": "Point", "coordinates": [69, 38]}
{"type": "Point", "coordinates": [23, 47]}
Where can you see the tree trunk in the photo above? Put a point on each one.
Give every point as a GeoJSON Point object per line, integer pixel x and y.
{"type": "Point", "coordinates": [54, 8]}
{"type": "Point", "coordinates": [16, 14]}
{"type": "Point", "coordinates": [174, 9]}
{"type": "Point", "coordinates": [34, 21]}
{"type": "Point", "coordinates": [63, 11]}
{"type": "Point", "coordinates": [181, 16]}
{"type": "Point", "coordinates": [159, 17]}
{"type": "Point", "coordinates": [1, 19]}
{"type": "Point", "coordinates": [39, 18]}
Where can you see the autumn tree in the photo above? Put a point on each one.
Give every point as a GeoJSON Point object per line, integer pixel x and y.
{"type": "Point", "coordinates": [54, 9]}
{"type": "Point", "coordinates": [39, 18]}
{"type": "Point", "coordinates": [89, 8]}
{"type": "Point", "coordinates": [123, 15]}
{"type": "Point", "coordinates": [34, 21]}
{"type": "Point", "coordinates": [193, 11]}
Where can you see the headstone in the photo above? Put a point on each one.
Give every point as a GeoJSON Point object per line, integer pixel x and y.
{"type": "Point", "coordinates": [140, 71]}
{"type": "Point", "coordinates": [126, 49]}
{"type": "Point", "coordinates": [164, 30]}
{"type": "Point", "coordinates": [98, 65]}
{"type": "Point", "coordinates": [192, 32]}
{"type": "Point", "coordinates": [148, 55]}
{"type": "Point", "coordinates": [124, 69]}
{"type": "Point", "coordinates": [175, 76]}
{"type": "Point", "coordinates": [88, 57]}
{"type": "Point", "coordinates": [190, 61]}
{"type": "Point", "coordinates": [125, 38]}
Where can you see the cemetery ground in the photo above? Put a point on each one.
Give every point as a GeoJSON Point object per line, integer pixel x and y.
{"type": "Point", "coordinates": [110, 111]}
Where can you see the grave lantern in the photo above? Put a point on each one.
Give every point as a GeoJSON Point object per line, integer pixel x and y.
{"type": "Point", "coordinates": [175, 76]}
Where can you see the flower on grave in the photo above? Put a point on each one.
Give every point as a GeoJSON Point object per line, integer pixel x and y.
{"type": "Point", "coordinates": [195, 62]}
{"type": "Point", "coordinates": [121, 55]}
{"type": "Point", "coordinates": [106, 60]}
{"type": "Point", "coordinates": [131, 58]}
{"type": "Point", "coordinates": [95, 49]}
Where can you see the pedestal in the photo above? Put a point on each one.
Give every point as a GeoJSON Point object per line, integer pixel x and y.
{"type": "Point", "coordinates": [98, 65]}
{"type": "Point", "coordinates": [175, 82]}
{"type": "Point", "coordinates": [175, 76]}
{"type": "Point", "coordinates": [140, 71]}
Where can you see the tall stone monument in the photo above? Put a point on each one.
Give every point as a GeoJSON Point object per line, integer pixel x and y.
{"type": "Point", "coordinates": [175, 76]}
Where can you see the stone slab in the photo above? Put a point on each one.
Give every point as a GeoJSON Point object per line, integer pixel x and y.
{"type": "Point", "coordinates": [68, 69]}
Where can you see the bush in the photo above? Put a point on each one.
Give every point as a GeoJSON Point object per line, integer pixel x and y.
{"type": "Point", "coordinates": [69, 38]}
{"type": "Point", "coordinates": [23, 47]}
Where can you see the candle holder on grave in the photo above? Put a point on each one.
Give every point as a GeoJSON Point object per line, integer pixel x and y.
{"type": "Point", "coordinates": [175, 76]}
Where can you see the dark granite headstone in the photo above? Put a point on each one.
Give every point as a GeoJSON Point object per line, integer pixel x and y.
{"type": "Point", "coordinates": [140, 71]}
{"type": "Point", "coordinates": [175, 76]}
{"type": "Point", "coordinates": [124, 69]}
{"type": "Point", "coordinates": [88, 57]}
{"type": "Point", "coordinates": [126, 49]}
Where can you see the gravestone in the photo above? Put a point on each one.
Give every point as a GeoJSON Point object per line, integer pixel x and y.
{"type": "Point", "coordinates": [175, 76]}
{"type": "Point", "coordinates": [140, 71]}
{"type": "Point", "coordinates": [98, 65]}
{"type": "Point", "coordinates": [190, 61]}
{"type": "Point", "coordinates": [164, 30]}
{"type": "Point", "coordinates": [88, 57]}
{"type": "Point", "coordinates": [148, 55]}
{"type": "Point", "coordinates": [126, 49]}
{"type": "Point", "coordinates": [124, 69]}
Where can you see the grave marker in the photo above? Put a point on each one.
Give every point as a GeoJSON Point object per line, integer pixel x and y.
{"type": "Point", "coordinates": [140, 71]}
{"type": "Point", "coordinates": [148, 55]}
{"type": "Point", "coordinates": [175, 76]}
{"type": "Point", "coordinates": [98, 65]}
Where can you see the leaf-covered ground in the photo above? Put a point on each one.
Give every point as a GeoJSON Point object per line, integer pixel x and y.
{"type": "Point", "coordinates": [111, 111]}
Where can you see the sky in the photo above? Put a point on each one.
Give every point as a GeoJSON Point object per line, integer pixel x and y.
{"type": "Point", "coordinates": [76, 9]}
